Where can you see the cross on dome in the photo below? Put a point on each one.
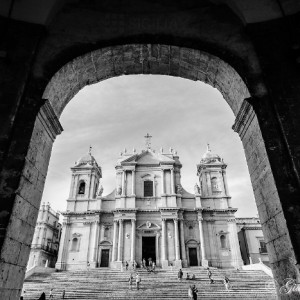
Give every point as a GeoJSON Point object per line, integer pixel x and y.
{"type": "Point", "coordinates": [148, 140]}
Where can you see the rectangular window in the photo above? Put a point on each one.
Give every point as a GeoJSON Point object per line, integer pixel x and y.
{"type": "Point", "coordinates": [148, 188]}
{"type": "Point", "coordinates": [263, 247]}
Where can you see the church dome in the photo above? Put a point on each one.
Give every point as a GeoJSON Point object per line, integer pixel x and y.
{"type": "Point", "coordinates": [86, 159]}
{"type": "Point", "coordinates": [210, 157]}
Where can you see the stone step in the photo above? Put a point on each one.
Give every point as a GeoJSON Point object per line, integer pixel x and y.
{"type": "Point", "coordinates": [163, 284]}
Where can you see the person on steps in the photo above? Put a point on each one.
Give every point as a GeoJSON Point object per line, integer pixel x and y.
{"type": "Point", "coordinates": [137, 281]}
{"type": "Point", "coordinates": [63, 294]}
{"type": "Point", "coordinates": [51, 294]}
{"type": "Point", "coordinates": [226, 282]}
{"type": "Point", "coordinates": [195, 291]}
{"type": "Point", "coordinates": [179, 275]}
{"type": "Point", "coordinates": [126, 265]}
{"type": "Point", "coordinates": [209, 274]}
{"type": "Point", "coordinates": [190, 292]}
{"type": "Point", "coordinates": [130, 280]}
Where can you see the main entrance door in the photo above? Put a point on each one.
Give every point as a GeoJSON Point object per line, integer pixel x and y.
{"type": "Point", "coordinates": [148, 248]}
{"type": "Point", "coordinates": [104, 258]}
{"type": "Point", "coordinates": [193, 257]}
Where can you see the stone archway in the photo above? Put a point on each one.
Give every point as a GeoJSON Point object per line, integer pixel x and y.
{"type": "Point", "coordinates": [172, 61]}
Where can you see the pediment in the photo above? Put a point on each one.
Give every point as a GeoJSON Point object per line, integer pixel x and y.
{"type": "Point", "coordinates": [148, 226]}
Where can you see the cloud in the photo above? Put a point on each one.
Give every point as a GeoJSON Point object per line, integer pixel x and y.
{"type": "Point", "coordinates": [118, 112]}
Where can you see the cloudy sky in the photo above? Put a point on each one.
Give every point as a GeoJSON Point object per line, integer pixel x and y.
{"type": "Point", "coordinates": [178, 113]}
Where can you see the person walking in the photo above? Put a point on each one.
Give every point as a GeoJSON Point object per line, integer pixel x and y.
{"type": "Point", "coordinates": [179, 275]}
{"type": "Point", "coordinates": [137, 281]}
{"type": "Point", "coordinates": [130, 280]}
{"type": "Point", "coordinates": [209, 274]}
{"type": "Point", "coordinates": [153, 266]}
{"type": "Point", "coordinates": [190, 292]}
{"type": "Point", "coordinates": [134, 264]}
{"type": "Point", "coordinates": [226, 282]}
{"type": "Point", "coordinates": [126, 265]}
{"type": "Point", "coordinates": [194, 292]}
{"type": "Point", "coordinates": [144, 263]}
{"type": "Point", "coordinates": [51, 294]}
{"type": "Point", "coordinates": [88, 265]}
{"type": "Point", "coordinates": [63, 294]}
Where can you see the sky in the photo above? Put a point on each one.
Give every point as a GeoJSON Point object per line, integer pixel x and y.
{"type": "Point", "coordinates": [117, 113]}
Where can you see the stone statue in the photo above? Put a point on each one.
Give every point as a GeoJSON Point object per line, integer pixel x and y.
{"type": "Point", "coordinates": [197, 189]}
{"type": "Point", "coordinates": [100, 191]}
{"type": "Point", "coordinates": [119, 190]}
{"type": "Point", "coordinates": [179, 189]}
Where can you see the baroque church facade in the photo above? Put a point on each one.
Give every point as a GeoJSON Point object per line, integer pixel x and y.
{"type": "Point", "coordinates": [149, 214]}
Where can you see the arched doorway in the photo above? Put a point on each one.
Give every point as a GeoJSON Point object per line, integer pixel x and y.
{"type": "Point", "coordinates": [156, 59]}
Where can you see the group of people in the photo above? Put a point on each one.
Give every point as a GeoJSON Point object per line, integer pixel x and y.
{"type": "Point", "coordinates": [151, 264]}
{"type": "Point", "coordinates": [225, 280]}
{"type": "Point", "coordinates": [137, 281]}
{"type": "Point", "coordinates": [43, 295]}
{"type": "Point", "coordinates": [133, 264]}
{"type": "Point", "coordinates": [192, 291]}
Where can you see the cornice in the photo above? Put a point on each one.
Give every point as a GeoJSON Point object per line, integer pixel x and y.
{"type": "Point", "coordinates": [48, 117]}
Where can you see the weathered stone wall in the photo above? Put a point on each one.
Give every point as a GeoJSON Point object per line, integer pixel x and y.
{"type": "Point", "coordinates": [272, 78]}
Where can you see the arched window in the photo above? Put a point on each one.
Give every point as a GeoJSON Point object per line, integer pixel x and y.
{"type": "Point", "coordinates": [223, 241]}
{"type": "Point", "coordinates": [215, 184]}
{"type": "Point", "coordinates": [81, 189]}
{"type": "Point", "coordinates": [74, 246]}
{"type": "Point", "coordinates": [148, 188]}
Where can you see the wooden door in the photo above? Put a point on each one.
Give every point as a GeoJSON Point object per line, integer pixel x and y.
{"type": "Point", "coordinates": [193, 257]}
{"type": "Point", "coordinates": [104, 258]}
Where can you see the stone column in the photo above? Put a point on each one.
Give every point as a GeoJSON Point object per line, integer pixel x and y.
{"type": "Point", "coordinates": [162, 181]}
{"type": "Point", "coordinates": [200, 219]}
{"type": "Point", "coordinates": [75, 189]}
{"type": "Point", "coordinates": [123, 182]}
{"type": "Point", "coordinates": [183, 252]}
{"type": "Point", "coordinates": [96, 241]}
{"type": "Point", "coordinates": [163, 240]}
{"type": "Point", "coordinates": [133, 182]}
{"type": "Point", "coordinates": [172, 181]}
{"type": "Point", "coordinates": [120, 244]}
{"type": "Point", "coordinates": [132, 240]}
{"type": "Point", "coordinates": [208, 182]}
{"type": "Point", "coordinates": [177, 250]}
{"type": "Point", "coordinates": [64, 247]}
{"type": "Point", "coordinates": [115, 241]}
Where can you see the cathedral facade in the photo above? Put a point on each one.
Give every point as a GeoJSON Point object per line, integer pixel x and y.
{"type": "Point", "coordinates": [149, 214]}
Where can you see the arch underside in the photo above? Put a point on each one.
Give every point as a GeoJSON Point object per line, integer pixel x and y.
{"type": "Point", "coordinates": [195, 65]}
{"type": "Point", "coordinates": [145, 59]}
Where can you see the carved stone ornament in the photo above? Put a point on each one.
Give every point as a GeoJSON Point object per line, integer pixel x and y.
{"type": "Point", "coordinates": [76, 235]}
{"type": "Point", "coordinates": [148, 224]}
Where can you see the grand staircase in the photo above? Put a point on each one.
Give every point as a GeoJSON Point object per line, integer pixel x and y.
{"type": "Point", "coordinates": [163, 284]}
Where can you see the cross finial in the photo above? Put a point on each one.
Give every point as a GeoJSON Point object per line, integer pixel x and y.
{"type": "Point", "coordinates": [208, 148]}
{"type": "Point", "coordinates": [90, 150]}
{"type": "Point", "coordinates": [148, 140]}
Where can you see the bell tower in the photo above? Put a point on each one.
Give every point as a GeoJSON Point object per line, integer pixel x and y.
{"type": "Point", "coordinates": [85, 183]}
{"type": "Point", "coordinates": [212, 179]}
